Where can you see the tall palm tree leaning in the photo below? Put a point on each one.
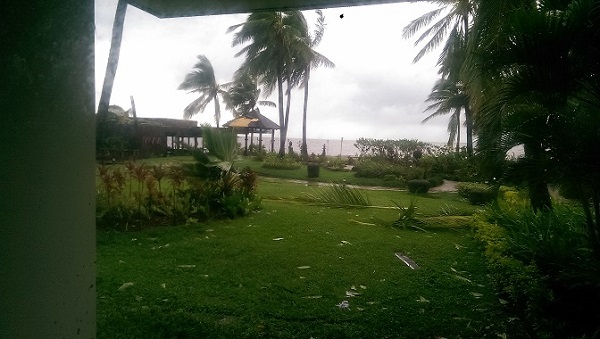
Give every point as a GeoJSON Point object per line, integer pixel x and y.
{"type": "Point", "coordinates": [454, 26]}
{"type": "Point", "coordinates": [202, 80]}
{"type": "Point", "coordinates": [111, 67]}
{"type": "Point", "coordinates": [311, 60]}
{"type": "Point", "coordinates": [273, 40]}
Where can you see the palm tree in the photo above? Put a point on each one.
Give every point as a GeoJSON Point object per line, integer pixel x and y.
{"type": "Point", "coordinates": [111, 67]}
{"type": "Point", "coordinates": [539, 61]}
{"type": "Point", "coordinates": [273, 40]}
{"type": "Point", "coordinates": [454, 27]}
{"type": "Point", "coordinates": [202, 80]}
{"type": "Point", "coordinates": [308, 61]}
{"type": "Point", "coordinates": [447, 97]}
{"type": "Point", "coordinates": [242, 96]}
{"type": "Point", "coordinates": [457, 20]}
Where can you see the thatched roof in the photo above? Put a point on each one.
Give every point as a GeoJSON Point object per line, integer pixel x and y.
{"type": "Point", "coordinates": [253, 120]}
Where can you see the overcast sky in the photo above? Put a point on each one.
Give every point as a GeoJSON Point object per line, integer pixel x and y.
{"type": "Point", "coordinates": [374, 92]}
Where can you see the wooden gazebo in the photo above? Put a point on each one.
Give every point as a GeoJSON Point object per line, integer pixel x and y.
{"type": "Point", "coordinates": [250, 123]}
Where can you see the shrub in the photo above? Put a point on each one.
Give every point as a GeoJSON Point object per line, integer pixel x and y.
{"type": "Point", "coordinates": [545, 263]}
{"type": "Point", "coordinates": [520, 284]}
{"type": "Point", "coordinates": [287, 162]}
{"type": "Point", "coordinates": [335, 164]}
{"type": "Point", "coordinates": [418, 186]}
{"type": "Point", "coordinates": [455, 166]}
{"type": "Point", "coordinates": [475, 193]}
{"type": "Point", "coordinates": [157, 195]}
{"type": "Point", "coordinates": [435, 181]}
{"type": "Point", "coordinates": [313, 169]}
{"type": "Point", "coordinates": [395, 151]}
{"type": "Point", "coordinates": [390, 177]}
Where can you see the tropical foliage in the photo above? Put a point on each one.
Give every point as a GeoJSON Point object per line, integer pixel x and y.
{"type": "Point", "coordinates": [242, 97]}
{"type": "Point", "coordinates": [278, 53]}
{"type": "Point", "coordinates": [529, 70]}
{"type": "Point", "coordinates": [202, 80]}
{"type": "Point", "coordinates": [449, 95]}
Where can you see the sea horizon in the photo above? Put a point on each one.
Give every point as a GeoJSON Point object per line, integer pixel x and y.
{"type": "Point", "coordinates": [333, 147]}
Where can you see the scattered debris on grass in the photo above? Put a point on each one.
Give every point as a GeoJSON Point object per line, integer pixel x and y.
{"type": "Point", "coordinates": [344, 305]}
{"type": "Point", "coordinates": [351, 294]}
{"type": "Point", "coordinates": [125, 285]}
{"type": "Point", "coordinates": [408, 261]}
{"type": "Point", "coordinates": [422, 300]}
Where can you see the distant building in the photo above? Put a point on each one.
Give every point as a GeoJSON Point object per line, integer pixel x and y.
{"type": "Point", "coordinates": [147, 137]}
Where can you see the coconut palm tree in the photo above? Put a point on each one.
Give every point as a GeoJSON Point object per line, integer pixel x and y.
{"type": "Point", "coordinates": [310, 60]}
{"type": "Point", "coordinates": [243, 96]}
{"type": "Point", "coordinates": [202, 80]}
{"type": "Point", "coordinates": [454, 27]}
{"type": "Point", "coordinates": [448, 97]}
{"type": "Point", "coordinates": [539, 61]}
{"type": "Point", "coordinates": [111, 67]}
{"type": "Point", "coordinates": [272, 41]}
{"type": "Point", "coordinates": [457, 18]}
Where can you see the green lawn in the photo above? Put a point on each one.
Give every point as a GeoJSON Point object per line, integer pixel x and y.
{"type": "Point", "coordinates": [281, 273]}
{"type": "Point", "coordinates": [325, 175]}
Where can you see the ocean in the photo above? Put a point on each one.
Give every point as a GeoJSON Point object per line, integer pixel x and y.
{"type": "Point", "coordinates": [343, 147]}
{"type": "Point", "coordinates": [333, 147]}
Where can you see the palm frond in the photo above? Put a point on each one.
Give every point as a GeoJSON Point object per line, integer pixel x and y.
{"type": "Point", "coordinates": [196, 106]}
{"type": "Point", "coordinates": [220, 143]}
{"type": "Point", "coordinates": [340, 196]}
{"type": "Point", "coordinates": [421, 22]}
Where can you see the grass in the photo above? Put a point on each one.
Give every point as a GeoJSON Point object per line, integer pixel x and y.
{"type": "Point", "coordinates": [281, 273]}
{"type": "Point", "coordinates": [325, 175]}
{"type": "Point", "coordinates": [233, 278]}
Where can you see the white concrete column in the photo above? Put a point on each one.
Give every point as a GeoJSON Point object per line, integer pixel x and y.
{"type": "Point", "coordinates": [47, 189]}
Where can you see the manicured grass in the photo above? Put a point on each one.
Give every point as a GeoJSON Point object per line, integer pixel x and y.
{"type": "Point", "coordinates": [325, 175]}
{"type": "Point", "coordinates": [281, 272]}
{"type": "Point", "coordinates": [431, 204]}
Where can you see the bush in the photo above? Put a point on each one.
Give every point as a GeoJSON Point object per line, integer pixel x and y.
{"type": "Point", "coordinates": [455, 166]}
{"type": "Point", "coordinates": [418, 186]}
{"type": "Point", "coordinates": [520, 284]}
{"type": "Point", "coordinates": [545, 264]}
{"type": "Point", "coordinates": [477, 194]}
{"type": "Point", "coordinates": [369, 168]}
{"type": "Point", "coordinates": [335, 164]}
{"type": "Point", "coordinates": [395, 151]}
{"type": "Point", "coordinates": [287, 162]}
{"type": "Point", "coordinates": [146, 196]}
{"type": "Point", "coordinates": [435, 181]}
{"type": "Point", "coordinates": [313, 169]}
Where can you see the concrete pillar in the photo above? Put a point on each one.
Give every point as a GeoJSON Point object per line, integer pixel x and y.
{"type": "Point", "coordinates": [47, 168]}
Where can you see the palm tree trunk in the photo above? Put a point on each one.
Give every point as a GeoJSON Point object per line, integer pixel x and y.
{"type": "Point", "coordinates": [304, 146]}
{"type": "Point", "coordinates": [217, 110]}
{"type": "Point", "coordinates": [469, 123]}
{"type": "Point", "coordinates": [458, 130]}
{"type": "Point", "coordinates": [539, 197]}
{"type": "Point", "coordinates": [282, 134]}
{"type": "Point", "coordinates": [111, 67]}
{"type": "Point", "coordinates": [288, 93]}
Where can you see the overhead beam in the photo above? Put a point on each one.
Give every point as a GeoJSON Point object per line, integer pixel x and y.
{"type": "Point", "coordinates": [186, 8]}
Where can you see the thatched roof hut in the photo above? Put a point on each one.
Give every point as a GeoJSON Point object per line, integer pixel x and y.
{"type": "Point", "coordinates": [250, 123]}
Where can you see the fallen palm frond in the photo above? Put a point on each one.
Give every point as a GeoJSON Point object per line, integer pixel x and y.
{"type": "Point", "coordinates": [340, 195]}
{"type": "Point", "coordinates": [407, 216]}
